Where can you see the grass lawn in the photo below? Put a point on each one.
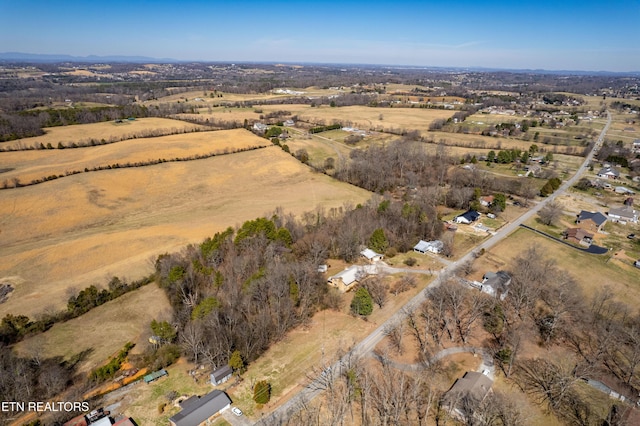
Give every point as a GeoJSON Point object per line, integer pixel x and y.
{"type": "Point", "coordinates": [104, 330]}
{"type": "Point", "coordinates": [105, 130]}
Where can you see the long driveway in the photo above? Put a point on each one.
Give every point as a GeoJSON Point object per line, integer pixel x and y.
{"type": "Point", "coordinates": [280, 415]}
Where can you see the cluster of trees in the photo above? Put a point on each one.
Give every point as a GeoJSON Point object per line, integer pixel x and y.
{"type": "Point", "coordinates": [320, 129]}
{"type": "Point", "coordinates": [33, 377]}
{"type": "Point", "coordinates": [150, 133]}
{"type": "Point", "coordinates": [111, 368]}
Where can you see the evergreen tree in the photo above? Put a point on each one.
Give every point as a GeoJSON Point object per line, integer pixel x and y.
{"type": "Point", "coordinates": [378, 241]}
{"type": "Point", "coordinates": [262, 392]}
{"type": "Point", "coordinates": [362, 304]}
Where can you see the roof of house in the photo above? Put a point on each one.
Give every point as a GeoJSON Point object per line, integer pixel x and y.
{"type": "Point", "coordinates": [499, 281]}
{"type": "Point", "coordinates": [221, 373]}
{"type": "Point", "coordinates": [625, 211]}
{"type": "Point", "coordinates": [577, 233]}
{"type": "Point", "coordinates": [597, 217]}
{"type": "Point", "coordinates": [474, 384]}
{"type": "Point", "coordinates": [609, 171]}
{"type": "Point", "coordinates": [197, 409]}
{"type": "Point", "coordinates": [423, 246]}
{"type": "Point", "coordinates": [470, 215]}
{"type": "Point", "coordinates": [354, 273]}
{"type": "Point", "coordinates": [369, 254]}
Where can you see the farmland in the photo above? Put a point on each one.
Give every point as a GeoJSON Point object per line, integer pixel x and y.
{"type": "Point", "coordinates": [82, 229]}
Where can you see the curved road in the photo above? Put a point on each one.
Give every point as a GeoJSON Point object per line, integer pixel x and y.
{"type": "Point", "coordinates": [280, 415]}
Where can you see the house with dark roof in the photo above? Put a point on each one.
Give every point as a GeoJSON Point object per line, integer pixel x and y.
{"type": "Point", "coordinates": [466, 394]}
{"type": "Point", "coordinates": [467, 217]}
{"type": "Point", "coordinates": [200, 409]}
{"type": "Point", "coordinates": [591, 221]}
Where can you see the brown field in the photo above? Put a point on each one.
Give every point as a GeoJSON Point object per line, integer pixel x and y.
{"type": "Point", "coordinates": [368, 118]}
{"type": "Point", "coordinates": [36, 164]}
{"type": "Point", "coordinates": [85, 132]}
{"type": "Point", "coordinates": [238, 97]}
{"type": "Point", "coordinates": [104, 330]}
{"type": "Point", "coordinates": [80, 230]}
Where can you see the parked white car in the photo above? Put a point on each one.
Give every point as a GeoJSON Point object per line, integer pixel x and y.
{"type": "Point", "coordinates": [236, 411]}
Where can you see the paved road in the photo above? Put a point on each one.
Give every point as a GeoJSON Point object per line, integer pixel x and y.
{"type": "Point", "coordinates": [280, 415]}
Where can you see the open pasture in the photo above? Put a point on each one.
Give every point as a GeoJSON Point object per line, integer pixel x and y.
{"type": "Point", "coordinates": [36, 164]}
{"type": "Point", "coordinates": [81, 230]}
{"type": "Point", "coordinates": [367, 118]}
{"type": "Point", "coordinates": [81, 133]}
{"type": "Point", "coordinates": [103, 330]}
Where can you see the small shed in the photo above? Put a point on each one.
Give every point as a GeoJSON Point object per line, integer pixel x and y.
{"type": "Point", "coordinates": [221, 375]}
{"type": "Point", "coordinates": [371, 255]}
{"type": "Point", "coordinates": [155, 376]}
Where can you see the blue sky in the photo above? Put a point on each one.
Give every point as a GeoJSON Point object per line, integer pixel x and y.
{"type": "Point", "coordinates": [560, 35]}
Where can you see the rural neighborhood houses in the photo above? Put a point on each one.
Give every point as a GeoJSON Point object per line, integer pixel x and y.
{"type": "Point", "coordinates": [434, 247]}
{"type": "Point", "coordinates": [199, 409]}
{"type": "Point", "coordinates": [591, 221]}
{"type": "Point", "coordinates": [467, 217]}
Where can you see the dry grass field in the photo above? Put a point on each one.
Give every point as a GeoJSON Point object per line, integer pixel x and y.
{"type": "Point", "coordinates": [29, 165]}
{"type": "Point", "coordinates": [109, 129]}
{"type": "Point", "coordinates": [592, 272]}
{"type": "Point", "coordinates": [104, 330]}
{"type": "Point", "coordinates": [83, 229]}
{"type": "Point", "coordinates": [368, 118]}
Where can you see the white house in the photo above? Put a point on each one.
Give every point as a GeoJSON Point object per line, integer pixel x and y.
{"type": "Point", "coordinates": [345, 279]}
{"type": "Point", "coordinates": [623, 214]}
{"type": "Point", "coordinates": [435, 246]}
{"type": "Point", "coordinates": [467, 217]}
{"type": "Point", "coordinates": [371, 255]}
{"type": "Point", "coordinates": [608, 173]}
{"type": "Point", "coordinates": [260, 127]}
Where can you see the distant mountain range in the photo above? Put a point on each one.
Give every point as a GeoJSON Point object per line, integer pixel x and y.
{"type": "Point", "coordinates": [39, 57]}
{"type": "Point", "coordinates": [53, 58]}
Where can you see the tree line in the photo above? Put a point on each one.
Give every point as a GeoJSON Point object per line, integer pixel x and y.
{"type": "Point", "coordinates": [15, 182]}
